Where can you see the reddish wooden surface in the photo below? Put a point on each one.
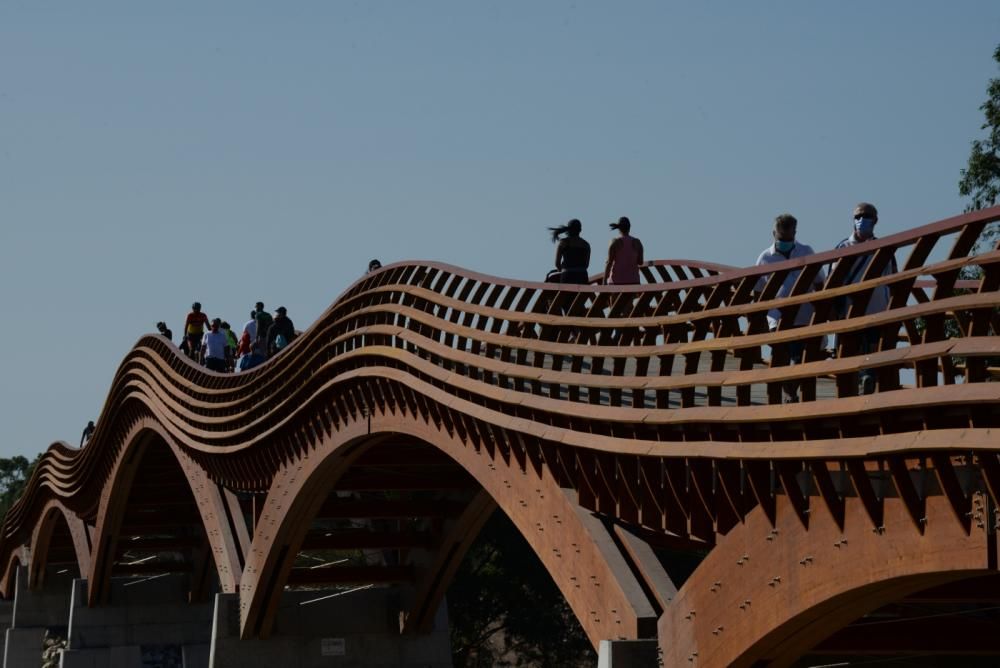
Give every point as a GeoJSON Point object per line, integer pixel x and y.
{"type": "Point", "coordinates": [654, 407]}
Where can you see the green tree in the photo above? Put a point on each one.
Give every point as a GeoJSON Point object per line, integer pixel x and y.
{"type": "Point", "coordinates": [981, 178]}
{"type": "Point", "coordinates": [14, 473]}
{"type": "Point", "coordinates": [505, 610]}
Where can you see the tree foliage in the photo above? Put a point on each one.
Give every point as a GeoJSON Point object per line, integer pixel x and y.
{"type": "Point", "coordinates": [14, 473]}
{"type": "Point", "coordinates": [981, 178]}
{"type": "Point", "coordinates": [505, 610]}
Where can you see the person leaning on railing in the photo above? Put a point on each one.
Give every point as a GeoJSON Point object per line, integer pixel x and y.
{"type": "Point", "coordinates": [785, 247]}
{"type": "Point", "coordinates": [865, 218]}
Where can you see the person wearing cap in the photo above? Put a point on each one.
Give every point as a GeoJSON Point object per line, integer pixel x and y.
{"type": "Point", "coordinates": [194, 329]}
{"type": "Point", "coordinates": [624, 256]}
{"type": "Point", "coordinates": [215, 347]}
{"type": "Point", "coordinates": [161, 327]}
{"type": "Point", "coordinates": [281, 332]}
{"type": "Point", "coordinates": [374, 265]}
{"type": "Point", "coordinates": [865, 219]}
{"type": "Point", "coordinates": [785, 247]}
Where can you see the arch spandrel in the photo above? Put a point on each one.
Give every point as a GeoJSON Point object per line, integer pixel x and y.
{"type": "Point", "coordinates": [148, 432]}
{"type": "Point", "coordinates": [54, 512]}
{"type": "Point", "coordinates": [595, 580]}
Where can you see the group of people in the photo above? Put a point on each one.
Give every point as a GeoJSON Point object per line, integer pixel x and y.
{"type": "Point", "coordinates": [625, 256]}
{"type": "Point", "coordinates": [573, 255]}
{"type": "Point", "coordinates": [786, 247]}
{"type": "Point", "coordinates": [214, 344]}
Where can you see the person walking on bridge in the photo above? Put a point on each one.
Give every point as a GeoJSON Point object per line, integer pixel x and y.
{"type": "Point", "coordinates": [194, 329]}
{"type": "Point", "coordinates": [624, 256]}
{"type": "Point", "coordinates": [572, 254]}
{"type": "Point", "coordinates": [250, 328]}
{"type": "Point", "coordinates": [216, 348]}
{"type": "Point", "coordinates": [281, 332]}
{"type": "Point", "coordinates": [785, 247]}
{"type": "Point", "coordinates": [865, 218]}
{"type": "Point", "coordinates": [264, 320]}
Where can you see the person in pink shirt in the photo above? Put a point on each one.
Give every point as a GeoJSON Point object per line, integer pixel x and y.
{"type": "Point", "coordinates": [624, 256]}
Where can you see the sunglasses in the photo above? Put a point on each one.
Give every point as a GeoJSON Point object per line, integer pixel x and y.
{"type": "Point", "coordinates": [859, 216]}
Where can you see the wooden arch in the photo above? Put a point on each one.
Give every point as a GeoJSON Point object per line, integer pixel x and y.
{"type": "Point", "coordinates": [54, 512]}
{"type": "Point", "coordinates": [580, 556]}
{"type": "Point", "coordinates": [18, 557]}
{"type": "Point", "coordinates": [766, 594]}
{"type": "Point", "coordinates": [146, 432]}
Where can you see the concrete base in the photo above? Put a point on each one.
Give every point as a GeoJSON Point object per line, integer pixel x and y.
{"type": "Point", "coordinates": [23, 647]}
{"type": "Point", "coordinates": [33, 613]}
{"type": "Point", "coordinates": [148, 621]}
{"type": "Point", "coordinates": [356, 629]}
{"type": "Point", "coordinates": [628, 654]}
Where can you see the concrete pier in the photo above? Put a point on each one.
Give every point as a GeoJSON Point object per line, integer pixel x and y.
{"type": "Point", "coordinates": [32, 614]}
{"type": "Point", "coordinates": [148, 621]}
{"type": "Point", "coordinates": [359, 628]}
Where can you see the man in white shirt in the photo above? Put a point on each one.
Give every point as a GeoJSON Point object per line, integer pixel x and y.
{"type": "Point", "coordinates": [251, 327]}
{"type": "Point", "coordinates": [865, 218]}
{"type": "Point", "coordinates": [215, 348]}
{"type": "Point", "coordinates": [784, 248]}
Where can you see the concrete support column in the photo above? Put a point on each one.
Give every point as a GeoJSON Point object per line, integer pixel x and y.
{"type": "Point", "coordinates": [34, 613]}
{"type": "Point", "coordinates": [628, 654]}
{"type": "Point", "coordinates": [148, 620]}
{"type": "Point", "coordinates": [317, 629]}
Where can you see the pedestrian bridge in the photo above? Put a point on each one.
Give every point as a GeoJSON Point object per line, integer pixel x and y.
{"type": "Point", "coordinates": [612, 424]}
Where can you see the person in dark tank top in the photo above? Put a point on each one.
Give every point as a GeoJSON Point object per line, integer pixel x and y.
{"type": "Point", "coordinates": [572, 254]}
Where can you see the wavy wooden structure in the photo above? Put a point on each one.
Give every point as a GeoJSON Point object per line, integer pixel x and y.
{"type": "Point", "coordinates": [602, 419]}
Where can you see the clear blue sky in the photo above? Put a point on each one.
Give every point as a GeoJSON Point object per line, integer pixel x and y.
{"type": "Point", "coordinates": [152, 154]}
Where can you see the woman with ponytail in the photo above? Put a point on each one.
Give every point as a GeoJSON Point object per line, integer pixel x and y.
{"type": "Point", "coordinates": [572, 254]}
{"type": "Point", "coordinates": [624, 256]}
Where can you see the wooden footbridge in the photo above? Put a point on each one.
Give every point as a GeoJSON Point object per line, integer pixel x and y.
{"type": "Point", "coordinates": [614, 425]}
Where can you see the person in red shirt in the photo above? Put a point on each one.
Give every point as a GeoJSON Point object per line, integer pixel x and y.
{"type": "Point", "coordinates": [194, 329]}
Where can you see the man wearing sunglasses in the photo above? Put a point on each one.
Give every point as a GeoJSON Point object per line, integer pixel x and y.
{"type": "Point", "coordinates": [865, 218]}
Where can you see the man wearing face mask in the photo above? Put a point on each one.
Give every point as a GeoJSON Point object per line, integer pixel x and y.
{"type": "Point", "coordinates": [785, 247]}
{"type": "Point", "coordinates": [865, 218]}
